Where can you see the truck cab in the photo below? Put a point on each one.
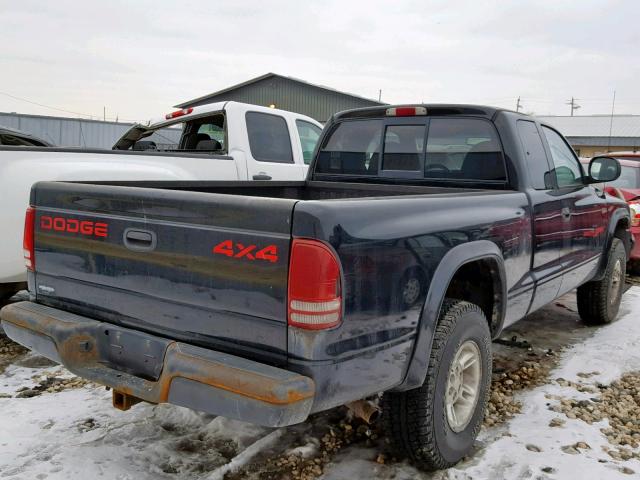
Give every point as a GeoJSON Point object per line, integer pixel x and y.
{"type": "Point", "coordinates": [267, 144]}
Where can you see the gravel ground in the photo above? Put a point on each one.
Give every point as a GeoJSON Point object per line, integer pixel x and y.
{"type": "Point", "coordinates": [59, 422]}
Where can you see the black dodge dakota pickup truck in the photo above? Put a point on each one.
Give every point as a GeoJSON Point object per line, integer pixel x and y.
{"type": "Point", "coordinates": [421, 232]}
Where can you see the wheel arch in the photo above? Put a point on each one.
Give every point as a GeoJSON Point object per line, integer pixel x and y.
{"type": "Point", "coordinates": [458, 259]}
{"type": "Point", "coordinates": [619, 225]}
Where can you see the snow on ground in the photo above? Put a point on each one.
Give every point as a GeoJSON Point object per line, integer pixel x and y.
{"type": "Point", "coordinates": [76, 434]}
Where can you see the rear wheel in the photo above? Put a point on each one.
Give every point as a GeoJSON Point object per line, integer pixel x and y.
{"type": "Point", "coordinates": [599, 301]}
{"type": "Point", "coordinates": [436, 424]}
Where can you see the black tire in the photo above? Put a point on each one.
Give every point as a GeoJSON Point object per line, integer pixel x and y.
{"type": "Point", "coordinates": [416, 421]}
{"type": "Point", "coordinates": [599, 301]}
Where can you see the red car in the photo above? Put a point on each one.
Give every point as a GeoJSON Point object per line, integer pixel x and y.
{"type": "Point", "coordinates": [627, 186]}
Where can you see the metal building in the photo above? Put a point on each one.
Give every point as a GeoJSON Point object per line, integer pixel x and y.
{"type": "Point", "coordinates": [78, 132]}
{"type": "Point", "coordinates": [591, 135]}
{"type": "Point", "coordinates": [287, 93]}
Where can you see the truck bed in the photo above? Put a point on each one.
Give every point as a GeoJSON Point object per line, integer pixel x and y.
{"type": "Point", "coordinates": [171, 257]}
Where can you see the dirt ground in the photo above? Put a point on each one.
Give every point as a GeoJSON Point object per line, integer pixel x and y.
{"type": "Point", "coordinates": [523, 358]}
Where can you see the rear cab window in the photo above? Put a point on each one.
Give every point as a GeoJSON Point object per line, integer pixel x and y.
{"type": "Point", "coordinates": [206, 134]}
{"type": "Point", "coordinates": [465, 149]}
{"type": "Point", "coordinates": [14, 140]}
{"type": "Point", "coordinates": [433, 150]}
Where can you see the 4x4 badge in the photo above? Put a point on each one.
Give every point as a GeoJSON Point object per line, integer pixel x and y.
{"type": "Point", "coordinates": [250, 252]}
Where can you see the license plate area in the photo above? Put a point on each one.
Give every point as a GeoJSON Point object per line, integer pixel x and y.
{"type": "Point", "coordinates": [132, 352]}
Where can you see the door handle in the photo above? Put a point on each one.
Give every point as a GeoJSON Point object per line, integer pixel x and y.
{"type": "Point", "coordinates": [262, 176]}
{"type": "Point", "coordinates": [566, 213]}
{"type": "Point", "coordinates": [139, 240]}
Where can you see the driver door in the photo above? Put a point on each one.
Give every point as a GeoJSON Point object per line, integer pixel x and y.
{"type": "Point", "coordinates": [583, 212]}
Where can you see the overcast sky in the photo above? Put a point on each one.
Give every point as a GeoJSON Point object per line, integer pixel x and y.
{"type": "Point", "coordinates": [139, 58]}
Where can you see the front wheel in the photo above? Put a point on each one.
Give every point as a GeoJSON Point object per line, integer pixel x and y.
{"type": "Point", "coordinates": [436, 424]}
{"type": "Point", "coordinates": [599, 301]}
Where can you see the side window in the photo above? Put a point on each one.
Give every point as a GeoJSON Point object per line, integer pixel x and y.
{"type": "Point", "coordinates": [403, 147]}
{"type": "Point", "coordinates": [464, 148]}
{"type": "Point", "coordinates": [535, 155]}
{"type": "Point", "coordinates": [309, 135]}
{"type": "Point", "coordinates": [269, 138]}
{"type": "Point", "coordinates": [566, 166]}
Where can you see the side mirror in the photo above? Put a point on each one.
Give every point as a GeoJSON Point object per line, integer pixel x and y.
{"type": "Point", "coordinates": [604, 169]}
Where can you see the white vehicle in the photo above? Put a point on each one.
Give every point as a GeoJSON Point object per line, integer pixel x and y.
{"type": "Point", "coordinates": [219, 141]}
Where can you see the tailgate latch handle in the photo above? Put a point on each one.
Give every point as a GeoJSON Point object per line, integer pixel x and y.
{"type": "Point", "coordinates": [139, 240]}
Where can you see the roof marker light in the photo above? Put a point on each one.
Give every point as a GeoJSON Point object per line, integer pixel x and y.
{"type": "Point", "coordinates": [405, 111]}
{"type": "Point", "coordinates": [178, 113]}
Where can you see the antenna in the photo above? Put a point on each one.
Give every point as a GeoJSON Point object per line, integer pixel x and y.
{"type": "Point", "coordinates": [574, 105]}
{"type": "Point", "coordinates": [613, 106]}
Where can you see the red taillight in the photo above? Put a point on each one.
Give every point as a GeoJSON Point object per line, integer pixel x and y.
{"type": "Point", "coordinates": [314, 286]}
{"type": "Point", "coordinates": [405, 111]}
{"type": "Point", "coordinates": [178, 113]}
{"type": "Point", "coordinates": [27, 242]}
{"type": "Point", "coordinates": [635, 213]}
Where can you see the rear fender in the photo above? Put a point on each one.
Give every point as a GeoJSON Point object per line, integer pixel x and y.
{"type": "Point", "coordinates": [444, 273]}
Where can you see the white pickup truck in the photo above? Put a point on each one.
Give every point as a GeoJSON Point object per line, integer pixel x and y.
{"type": "Point", "coordinates": [219, 141]}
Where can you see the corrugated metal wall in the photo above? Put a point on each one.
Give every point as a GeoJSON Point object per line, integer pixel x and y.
{"type": "Point", "coordinates": [76, 132]}
{"type": "Point", "coordinates": [287, 94]}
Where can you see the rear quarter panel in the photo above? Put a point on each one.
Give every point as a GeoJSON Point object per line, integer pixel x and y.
{"type": "Point", "coordinates": [379, 242]}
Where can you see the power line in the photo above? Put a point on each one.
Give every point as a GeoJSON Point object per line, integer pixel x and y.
{"type": "Point", "coordinates": [62, 109]}
{"type": "Point", "coordinates": [45, 106]}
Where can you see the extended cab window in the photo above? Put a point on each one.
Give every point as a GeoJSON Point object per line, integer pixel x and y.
{"type": "Point", "coordinates": [269, 138]}
{"type": "Point", "coordinates": [309, 135]}
{"type": "Point", "coordinates": [463, 148]}
{"type": "Point", "coordinates": [351, 148]}
{"type": "Point", "coordinates": [533, 147]}
{"type": "Point", "coordinates": [567, 169]}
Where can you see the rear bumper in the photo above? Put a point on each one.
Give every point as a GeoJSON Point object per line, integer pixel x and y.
{"type": "Point", "coordinates": [175, 372]}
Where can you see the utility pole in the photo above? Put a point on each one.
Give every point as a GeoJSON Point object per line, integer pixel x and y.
{"type": "Point", "coordinates": [518, 105]}
{"type": "Point", "coordinates": [104, 114]}
{"type": "Point", "coordinates": [380, 95]}
{"type": "Point", "coordinates": [574, 105]}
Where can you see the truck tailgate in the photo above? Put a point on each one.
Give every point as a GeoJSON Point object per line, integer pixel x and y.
{"type": "Point", "coordinates": [210, 269]}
